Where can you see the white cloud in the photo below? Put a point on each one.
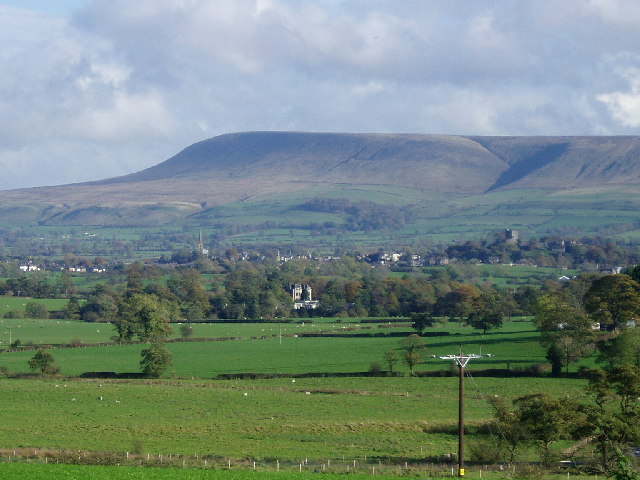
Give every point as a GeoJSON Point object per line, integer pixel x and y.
{"type": "Point", "coordinates": [123, 85]}
{"type": "Point", "coordinates": [625, 106]}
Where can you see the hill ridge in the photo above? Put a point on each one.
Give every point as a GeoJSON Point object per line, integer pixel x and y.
{"type": "Point", "coordinates": [257, 166]}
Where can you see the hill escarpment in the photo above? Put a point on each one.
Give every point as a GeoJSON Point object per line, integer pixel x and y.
{"type": "Point", "coordinates": [256, 166]}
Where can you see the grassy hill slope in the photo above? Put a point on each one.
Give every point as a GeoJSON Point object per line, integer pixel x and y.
{"type": "Point", "coordinates": [465, 182]}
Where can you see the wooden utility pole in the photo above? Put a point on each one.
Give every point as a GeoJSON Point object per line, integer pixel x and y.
{"type": "Point", "coordinates": [460, 420]}
{"type": "Point", "coordinates": [461, 360]}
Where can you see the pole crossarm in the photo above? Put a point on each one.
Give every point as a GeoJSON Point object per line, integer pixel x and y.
{"type": "Point", "coordinates": [461, 359]}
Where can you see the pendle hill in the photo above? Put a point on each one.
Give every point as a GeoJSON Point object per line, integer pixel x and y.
{"type": "Point", "coordinates": [443, 185]}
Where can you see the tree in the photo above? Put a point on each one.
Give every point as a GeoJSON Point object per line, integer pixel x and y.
{"type": "Point", "coordinates": [512, 432]}
{"type": "Point", "coordinates": [64, 285]}
{"type": "Point", "coordinates": [101, 306]}
{"type": "Point", "coordinates": [72, 310]}
{"type": "Point", "coordinates": [186, 330]}
{"type": "Point", "coordinates": [144, 316]}
{"type": "Point", "coordinates": [155, 360]}
{"type": "Point", "coordinates": [566, 331]}
{"type": "Point", "coordinates": [487, 314]}
{"type": "Point", "coordinates": [193, 298]}
{"type": "Point", "coordinates": [459, 302]}
{"type": "Point", "coordinates": [616, 418]}
{"type": "Point", "coordinates": [634, 272]}
{"type": "Point", "coordinates": [526, 297]}
{"type": "Point", "coordinates": [422, 321]}
{"type": "Point", "coordinates": [390, 359]}
{"type": "Point", "coordinates": [36, 310]}
{"type": "Point", "coordinates": [623, 349]}
{"type": "Point", "coordinates": [44, 362]}
{"type": "Point", "coordinates": [546, 419]}
{"type": "Point", "coordinates": [613, 300]}
{"type": "Point", "coordinates": [410, 346]}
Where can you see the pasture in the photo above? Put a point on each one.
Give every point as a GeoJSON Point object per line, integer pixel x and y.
{"type": "Point", "coordinates": [387, 419]}
{"type": "Point", "coordinates": [377, 422]}
{"type": "Point", "coordinates": [353, 349]}
{"type": "Point", "coordinates": [8, 304]}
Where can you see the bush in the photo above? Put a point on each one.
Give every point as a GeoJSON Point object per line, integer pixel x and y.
{"type": "Point", "coordinates": [375, 368]}
{"type": "Point", "coordinates": [486, 451]}
{"type": "Point", "coordinates": [155, 360]}
{"type": "Point", "coordinates": [186, 330]}
{"type": "Point", "coordinates": [36, 310]}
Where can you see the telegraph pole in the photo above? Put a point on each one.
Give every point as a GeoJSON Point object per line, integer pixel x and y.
{"type": "Point", "coordinates": [461, 360]}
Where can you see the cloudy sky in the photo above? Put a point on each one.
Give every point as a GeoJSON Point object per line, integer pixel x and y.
{"type": "Point", "coordinates": [97, 88]}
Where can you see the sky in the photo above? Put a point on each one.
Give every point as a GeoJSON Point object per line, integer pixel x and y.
{"type": "Point", "coordinates": [91, 89]}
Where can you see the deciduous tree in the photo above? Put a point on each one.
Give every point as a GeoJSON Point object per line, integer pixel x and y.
{"type": "Point", "coordinates": [566, 331]}
{"type": "Point", "coordinates": [486, 314]}
{"type": "Point", "coordinates": [411, 347]}
{"type": "Point", "coordinates": [44, 362]}
{"type": "Point", "coordinates": [614, 300]}
{"type": "Point", "coordinates": [155, 360]}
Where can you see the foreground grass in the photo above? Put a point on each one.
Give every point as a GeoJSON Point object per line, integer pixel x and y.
{"type": "Point", "coordinates": [19, 471]}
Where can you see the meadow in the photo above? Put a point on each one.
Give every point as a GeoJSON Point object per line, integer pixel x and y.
{"type": "Point", "coordinates": [324, 409]}
{"type": "Point", "coordinates": [284, 348]}
{"type": "Point", "coordinates": [386, 419]}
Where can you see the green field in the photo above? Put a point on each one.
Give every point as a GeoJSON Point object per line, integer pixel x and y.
{"type": "Point", "coordinates": [8, 304]}
{"type": "Point", "coordinates": [380, 418]}
{"type": "Point", "coordinates": [377, 422]}
{"type": "Point", "coordinates": [514, 346]}
{"type": "Point", "coordinates": [58, 332]}
{"type": "Point", "coordinates": [12, 471]}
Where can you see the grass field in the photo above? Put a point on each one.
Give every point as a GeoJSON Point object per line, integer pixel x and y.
{"type": "Point", "coordinates": [380, 418]}
{"type": "Point", "coordinates": [379, 421]}
{"type": "Point", "coordinates": [12, 471]}
{"type": "Point", "coordinates": [516, 345]}
{"type": "Point", "coordinates": [57, 332]}
{"type": "Point", "coordinates": [19, 303]}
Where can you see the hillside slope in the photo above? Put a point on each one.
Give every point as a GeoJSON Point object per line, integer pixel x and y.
{"type": "Point", "coordinates": [256, 166]}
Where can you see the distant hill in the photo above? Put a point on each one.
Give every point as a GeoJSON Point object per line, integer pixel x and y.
{"type": "Point", "coordinates": [265, 169]}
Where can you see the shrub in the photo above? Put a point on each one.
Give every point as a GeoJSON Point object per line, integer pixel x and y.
{"type": "Point", "coordinates": [36, 310]}
{"type": "Point", "coordinates": [186, 330]}
{"type": "Point", "coordinates": [375, 368]}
